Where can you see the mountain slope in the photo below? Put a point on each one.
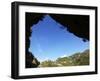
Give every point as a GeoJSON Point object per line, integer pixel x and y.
{"type": "Point", "coordinates": [76, 59]}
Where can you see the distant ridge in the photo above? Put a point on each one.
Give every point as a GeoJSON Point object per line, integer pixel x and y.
{"type": "Point", "coordinates": [77, 59]}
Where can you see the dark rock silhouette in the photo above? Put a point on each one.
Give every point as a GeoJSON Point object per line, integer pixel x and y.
{"type": "Point", "coordinates": [31, 61]}
{"type": "Point", "coordinates": [30, 20]}
{"type": "Point", "coordinates": [76, 24]}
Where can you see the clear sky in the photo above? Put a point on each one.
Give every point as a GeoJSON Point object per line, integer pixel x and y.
{"type": "Point", "coordinates": [49, 40]}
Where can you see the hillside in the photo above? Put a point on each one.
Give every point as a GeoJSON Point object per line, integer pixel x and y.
{"type": "Point", "coordinates": [77, 59]}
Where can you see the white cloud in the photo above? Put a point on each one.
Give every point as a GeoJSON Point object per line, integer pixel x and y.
{"type": "Point", "coordinates": [64, 55]}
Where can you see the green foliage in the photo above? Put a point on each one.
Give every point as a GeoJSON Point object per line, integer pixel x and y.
{"type": "Point", "coordinates": [76, 59]}
{"type": "Point", "coordinates": [48, 63]}
{"type": "Point", "coordinates": [64, 61]}
{"type": "Point", "coordinates": [81, 58]}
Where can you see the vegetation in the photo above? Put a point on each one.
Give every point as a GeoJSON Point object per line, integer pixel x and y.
{"type": "Point", "coordinates": [74, 60]}
{"type": "Point", "coordinates": [48, 63]}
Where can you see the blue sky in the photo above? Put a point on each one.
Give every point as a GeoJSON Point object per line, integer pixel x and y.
{"type": "Point", "coordinates": [49, 40]}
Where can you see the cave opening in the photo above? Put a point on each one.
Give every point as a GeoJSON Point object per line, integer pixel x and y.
{"type": "Point", "coordinates": [69, 22]}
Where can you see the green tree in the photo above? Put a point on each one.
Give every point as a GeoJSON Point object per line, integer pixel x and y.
{"type": "Point", "coordinates": [48, 63]}
{"type": "Point", "coordinates": [81, 58]}
{"type": "Point", "coordinates": [65, 61]}
{"type": "Point", "coordinates": [76, 59]}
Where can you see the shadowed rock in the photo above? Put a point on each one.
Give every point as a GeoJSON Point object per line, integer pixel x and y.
{"type": "Point", "coordinates": [31, 61]}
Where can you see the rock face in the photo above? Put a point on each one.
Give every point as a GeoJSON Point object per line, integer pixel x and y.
{"type": "Point", "coordinates": [76, 24]}
{"type": "Point", "coordinates": [30, 20]}
{"type": "Point", "coordinates": [31, 61]}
